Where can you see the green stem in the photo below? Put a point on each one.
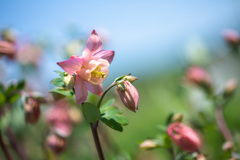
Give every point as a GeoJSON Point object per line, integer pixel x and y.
{"type": "Point", "coordinates": [96, 140]}
{"type": "Point", "coordinates": [104, 93]}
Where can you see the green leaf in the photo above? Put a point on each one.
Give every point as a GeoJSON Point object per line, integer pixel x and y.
{"type": "Point", "coordinates": [21, 84]}
{"type": "Point", "coordinates": [114, 113]}
{"type": "Point", "coordinates": [62, 91]}
{"type": "Point", "coordinates": [112, 124]}
{"type": "Point", "coordinates": [91, 112]}
{"type": "Point", "coordinates": [58, 82]}
{"type": "Point", "coordinates": [108, 103]}
{"type": "Point", "coordinates": [113, 118]}
{"type": "Point", "coordinates": [10, 89]}
{"type": "Point", "coordinates": [169, 118]}
{"type": "Point", "coordinates": [2, 99]}
{"type": "Point", "coordinates": [14, 98]}
{"type": "Point", "coordinates": [62, 74]}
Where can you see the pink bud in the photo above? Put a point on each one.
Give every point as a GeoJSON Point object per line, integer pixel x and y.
{"type": "Point", "coordinates": [184, 137]}
{"type": "Point", "coordinates": [231, 36]}
{"type": "Point", "coordinates": [32, 110]}
{"type": "Point", "coordinates": [129, 95]}
{"type": "Point", "coordinates": [6, 48]}
{"type": "Point", "coordinates": [56, 143]}
{"type": "Point", "coordinates": [198, 76]}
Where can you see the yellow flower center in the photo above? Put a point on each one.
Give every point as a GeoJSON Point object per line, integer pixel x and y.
{"type": "Point", "coordinates": [97, 74]}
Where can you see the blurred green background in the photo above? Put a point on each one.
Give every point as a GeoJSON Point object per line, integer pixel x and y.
{"type": "Point", "coordinates": [155, 41]}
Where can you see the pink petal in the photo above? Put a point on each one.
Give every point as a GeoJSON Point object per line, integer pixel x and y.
{"type": "Point", "coordinates": [94, 44]}
{"type": "Point", "coordinates": [95, 89]}
{"type": "Point", "coordinates": [81, 92]}
{"type": "Point", "coordinates": [105, 54]}
{"type": "Point", "coordinates": [71, 65]}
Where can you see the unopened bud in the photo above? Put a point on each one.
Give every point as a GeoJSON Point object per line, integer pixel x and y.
{"type": "Point", "coordinates": [7, 48]}
{"type": "Point", "coordinates": [232, 37]}
{"type": "Point", "coordinates": [230, 87]}
{"type": "Point", "coordinates": [56, 143]}
{"type": "Point", "coordinates": [200, 77]}
{"type": "Point", "coordinates": [131, 79]}
{"type": "Point", "coordinates": [129, 95]}
{"type": "Point", "coordinates": [201, 157]}
{"type": "Point", "coordinates": [184, 137]}
{"type": "Point", "coordinates": [177, 117]}
{"type": "Point", "coordinates": [228, 145]}
{"type": "Point", "coordinates": [8, 35]}
{"type": "Point", "coordinates": [32, 110]}
{"type": "Point", "coordinates": [148, 144]}
{"type": "Point", "coordinates": [69, 81]}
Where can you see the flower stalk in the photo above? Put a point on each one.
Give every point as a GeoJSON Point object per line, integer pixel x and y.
{"type": "Point", "coordinates": [4, 148]}
{"type": "Point", "coordinates": [96, 140]}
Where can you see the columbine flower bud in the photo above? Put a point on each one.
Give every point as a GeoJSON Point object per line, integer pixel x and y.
{"type": "Point", "coordinates": [32, 110]}
{"type": "Point", "coordinates": [230, 87]}
{"type": "Point", "coordinates": [177, 117]}
{"type": "Point", "coordinates": [7, 48]}
{"type": "Point", "coordinates": [198, 76]}
{"type": "Point", "coordinates": [69, 81]}
{"type": "Point", "coordinates": [148, 144]}
{"type": "Point", "coordinates": [129, 95]}
{"type": "Point", "coordinates": [131, 79]}
{"type": "Point", "coordinates": [201, 157]}
{"type": "Point", "coordinates": [228, 145]}
{"type": "Point", "coordinates": [232, 37]}
{"type": "Point", "coordinates": [56, 143]}
{"type": "Point", "coordinates": [184, 137]}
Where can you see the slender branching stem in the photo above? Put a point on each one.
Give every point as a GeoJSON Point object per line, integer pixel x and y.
{"type": "Point", "coordinates": [222, 124]}
{"type": "Point", "coordinates": [15, 145]}
{"type": "Point", "coordinates": [4, 148]}
{"type": "Point", "coordinates": [96, 140]}
{"type": "Point", "coordinates": [104, 93]}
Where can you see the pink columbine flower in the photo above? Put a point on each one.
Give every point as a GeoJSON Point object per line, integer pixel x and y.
{"type": "Point", "coordinates": [91, 69]}
{"type": "Point", "coordinates": [184, 137]}
{"type": "Point", "coordinates": [129, 95]}
{"type": "Point", "coordinates": [59, 119]}
{"type": "Point", "coordinates": [7, 48]}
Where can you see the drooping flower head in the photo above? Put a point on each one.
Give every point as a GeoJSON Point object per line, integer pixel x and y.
{"type": "Point", "coordinates": [184, 137]}
{"type": "Point", "coordinates": [129, 95]}
{"type": "Point", "coordinates": [91, 69]}
{"type": "Point", "coordinates": [59, 118]}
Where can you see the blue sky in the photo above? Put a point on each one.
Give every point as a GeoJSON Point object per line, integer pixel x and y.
{"type": "Point", "coordinates": [146, 35]}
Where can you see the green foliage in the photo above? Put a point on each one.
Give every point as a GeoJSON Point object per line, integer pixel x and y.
{"type": "Point", "coordinates": [62, 91]}
{"type": "Point", "coordinates": [58, 82]}
{"type": "Point", "coordinates": [61, 86]}
{"type": "Point", "coordinates": [112, 116]}
{"type": "Point", "coordinates": [91, 112]}
{"type": "Point", "coordinates": [61, 74]}
{"type": "Point", "coordinates": [11, 94]}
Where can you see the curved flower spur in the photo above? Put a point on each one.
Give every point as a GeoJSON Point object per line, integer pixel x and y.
{"type": "Point", "coordinates": [90, 69]}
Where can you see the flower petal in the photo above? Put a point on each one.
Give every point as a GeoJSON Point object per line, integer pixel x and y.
{"type": "Point", "coordinates": [71, 65]}
{"type": "Point", "coordinates": [105, 54]}
{"type": "Point", "coordinates": [95, 89]}
{"type": "Point", "coordinates": [81, 92]}
{"type": "Point", "coordinates": [94, 44]}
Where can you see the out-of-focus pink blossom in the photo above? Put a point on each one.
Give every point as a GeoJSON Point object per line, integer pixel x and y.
{"type": "Point", "coordinates": [59, 119]}
{"type": "Point", "coordinates": [32, 110]}
{"type": "Point", "coordinates": [129, 95]}
{"type": "Point", "coordinates": [198, 76]}
{"type": "Point", "coordinates": [184, 137]}
{"type": "Point", "coordinates": [91, 69]}
{"type": "Point", "coordinates": [29, 54]}
{"type": "Point", "coordinates": [56, 143]}
{"type": "Point", "coordinates": [231, 36]}
{"type": "Point", "coordinates": [7, 48]}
